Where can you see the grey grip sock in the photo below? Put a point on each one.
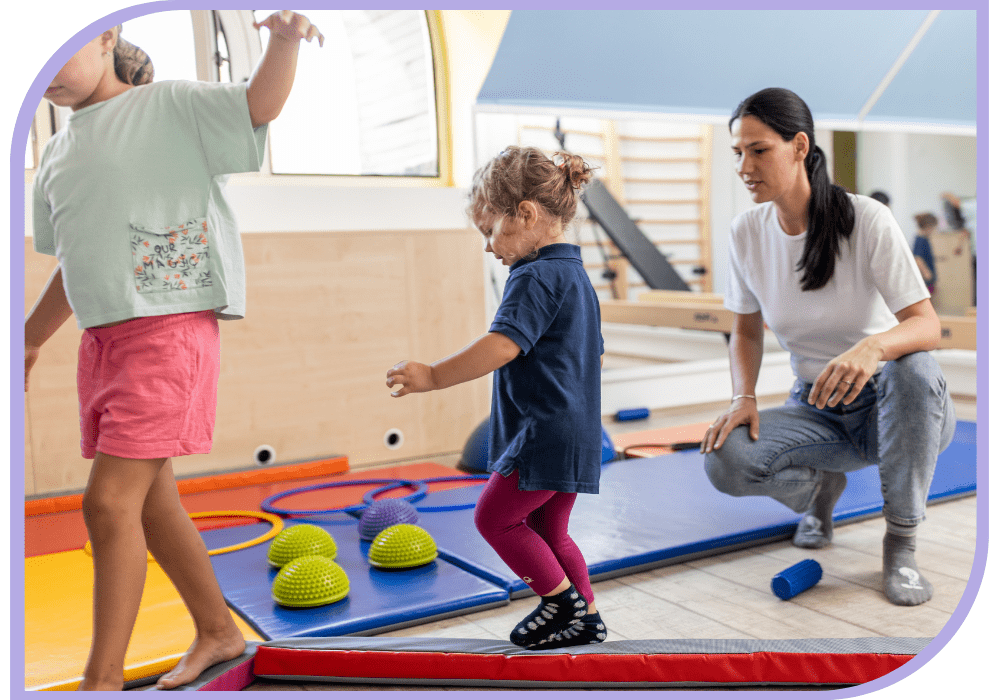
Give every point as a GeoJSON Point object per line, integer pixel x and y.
{"type": "Point", "coordinates": [902, 582]}
{"type": "Point", "coordinates": [815, 530]}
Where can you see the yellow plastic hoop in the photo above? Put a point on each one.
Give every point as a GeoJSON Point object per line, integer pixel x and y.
{"type": "Point", "coordinates": [89, 551]}
{"type": "Point", "coordinates": [276, 525]}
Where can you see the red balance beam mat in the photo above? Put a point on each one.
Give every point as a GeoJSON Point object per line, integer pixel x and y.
{"type": "Point", "coordinates": [617, 664]}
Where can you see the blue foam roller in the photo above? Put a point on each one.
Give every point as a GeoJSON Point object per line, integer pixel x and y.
{"type": "Point", "coordinates": [796, 578]}
{"type": "Point", "coordinates": [632, 414]}
{"type": "Point", "coordinates": [607, 447]}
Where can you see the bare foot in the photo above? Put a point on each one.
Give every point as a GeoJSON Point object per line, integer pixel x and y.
{"type": "Point", "coordinates": [204, 652]}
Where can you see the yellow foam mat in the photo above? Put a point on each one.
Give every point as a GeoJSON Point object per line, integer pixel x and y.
{"type": "Point", "coordinates": [58, 622]}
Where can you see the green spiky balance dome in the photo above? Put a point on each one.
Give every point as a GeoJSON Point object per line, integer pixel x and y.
{"type": "Point", "coordinates": [300, 541]}
{"type": "Point", "coordinates": [402, 546]}
{"type": "Point", "coordinates": [310, 581]}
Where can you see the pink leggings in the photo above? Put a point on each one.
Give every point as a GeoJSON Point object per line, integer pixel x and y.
{"type": "Point", "coordinates": [528, 529]}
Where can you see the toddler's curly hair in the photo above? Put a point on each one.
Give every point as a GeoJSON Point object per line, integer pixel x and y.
{"type": "Point", "coordinates": [521, 174]}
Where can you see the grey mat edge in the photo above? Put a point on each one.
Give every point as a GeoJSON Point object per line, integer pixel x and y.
{"type": "Point", "coordinates": [860, 645]}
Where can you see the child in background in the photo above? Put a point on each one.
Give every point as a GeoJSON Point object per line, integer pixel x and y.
{"type": "Point", "coordinates": [922, 252]}
{"type": "Point", "coordinates": [546, 350]}
{"type": "Point", "coordinates": [128, 197]}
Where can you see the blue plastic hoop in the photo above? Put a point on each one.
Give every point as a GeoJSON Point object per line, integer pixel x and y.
{"type": "Point", "coordinates": [268, 507]}
{"type": "Point", "coordinates": [456, 506]}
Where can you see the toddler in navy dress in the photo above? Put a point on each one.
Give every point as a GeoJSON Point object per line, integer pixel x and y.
{"type": "Point", "coordinates": [546, 350]}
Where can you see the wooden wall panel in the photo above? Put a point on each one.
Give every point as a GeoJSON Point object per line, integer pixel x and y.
{"type": "Point", "coordinates": [327, 315]}
{"type": "Point", "coordinates": [52, 423]}
{"type": "Point", "coordinates": [29, 463]}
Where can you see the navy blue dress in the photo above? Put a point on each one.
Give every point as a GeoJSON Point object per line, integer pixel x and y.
{"type": "Point", "coordinates": [546, 413]}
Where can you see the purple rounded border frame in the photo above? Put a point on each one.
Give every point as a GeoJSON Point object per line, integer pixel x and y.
{"type": "Point", "coordinates": [35, 94]}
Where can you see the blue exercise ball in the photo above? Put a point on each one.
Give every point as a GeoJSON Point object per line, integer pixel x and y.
{"type": "Point", "coordinates": [475, 454]}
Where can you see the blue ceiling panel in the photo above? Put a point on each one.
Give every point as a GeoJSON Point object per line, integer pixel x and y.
{"type": "Point", "coordinates": [703, 62]}
{"type": "Point", "coordinates": [938, 81]}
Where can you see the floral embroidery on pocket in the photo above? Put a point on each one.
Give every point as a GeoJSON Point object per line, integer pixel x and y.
{"type": "Point", "coordinates": [170, 258]}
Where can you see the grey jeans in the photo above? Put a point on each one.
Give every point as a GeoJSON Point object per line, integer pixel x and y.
{"type": "Point", "coordinates": [902, 420]}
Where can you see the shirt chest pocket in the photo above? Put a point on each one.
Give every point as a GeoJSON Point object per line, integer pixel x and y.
{"type": "Point", "coordinates": [170, 258]}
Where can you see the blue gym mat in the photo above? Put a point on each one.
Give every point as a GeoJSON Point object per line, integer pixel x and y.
{"type": "Point", "coordinates": [661, 510]}
{"type": "Point", "coordinates": [378, 601]}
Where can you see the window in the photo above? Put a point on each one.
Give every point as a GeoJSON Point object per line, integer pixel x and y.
{"type": "Point", "coordinates": [168, 40]}
{"type": "Point", "coordinates": [365, 103]}
{"type": "Point", "coordinates": [29, 151]}
{"type": "Point", "coordinates": [221, 61]}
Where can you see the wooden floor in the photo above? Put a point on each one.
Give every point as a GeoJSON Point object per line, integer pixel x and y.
{"type": "Point", "coordinates": [729, 596]}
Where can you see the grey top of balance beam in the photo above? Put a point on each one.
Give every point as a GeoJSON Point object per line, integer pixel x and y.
{"type": "Point", "coordinates": [861, 645]}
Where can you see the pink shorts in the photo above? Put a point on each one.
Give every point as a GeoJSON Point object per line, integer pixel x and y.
{"type": "Point", "coordinates": [147, 387]}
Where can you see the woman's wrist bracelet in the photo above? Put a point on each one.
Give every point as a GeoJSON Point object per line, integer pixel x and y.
{"type": "Point", "coordinates": [743, 396]}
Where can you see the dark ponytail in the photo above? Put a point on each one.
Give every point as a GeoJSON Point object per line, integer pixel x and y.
{"type": "Point", "coordinates": [132, 65]}
{"type": "Point", "coordinates": [831, 214]}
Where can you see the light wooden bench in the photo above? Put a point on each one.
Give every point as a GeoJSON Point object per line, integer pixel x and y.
{"type": "Point", "coordinates": [704, 312]}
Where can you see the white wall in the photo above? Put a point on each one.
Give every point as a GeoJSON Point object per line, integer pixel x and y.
{"type": "Point", "coordinates": [914, 169]}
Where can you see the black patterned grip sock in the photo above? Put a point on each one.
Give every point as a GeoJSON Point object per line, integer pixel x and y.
{"type": "Point", "coordinates": [588, 629]}
{"type": "Point", "coordinates": [553, 614]}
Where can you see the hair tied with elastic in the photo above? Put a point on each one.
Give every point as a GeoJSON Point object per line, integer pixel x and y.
{"type": "Point", "coordinates": [566, 171]}
{"type": "Point", "coordinates": [574, 169]}
{"type": "Point", "coordinates": [132, 65]}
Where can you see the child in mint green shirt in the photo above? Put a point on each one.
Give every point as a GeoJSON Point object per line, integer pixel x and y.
{"type": "Point", "coordinates": [128, 197]}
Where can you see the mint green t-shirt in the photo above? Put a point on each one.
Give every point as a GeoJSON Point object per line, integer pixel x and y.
{"type": "Point", "coordinates": [128, 197]}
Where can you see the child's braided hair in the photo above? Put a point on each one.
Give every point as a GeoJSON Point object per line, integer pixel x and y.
{"type": "Point", "coordinates": [132, 65]}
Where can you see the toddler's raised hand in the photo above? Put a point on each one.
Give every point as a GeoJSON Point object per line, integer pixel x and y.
{"type": "Point", "coordinates": [290, 26]}
{"type": "Point", "coordinates": [414, 377]}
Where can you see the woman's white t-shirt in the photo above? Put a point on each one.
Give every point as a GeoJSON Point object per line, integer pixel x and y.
{"type": "Point", "coordinates": [875, 277]}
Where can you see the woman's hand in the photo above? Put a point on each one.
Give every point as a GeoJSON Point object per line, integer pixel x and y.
{"type": "Point", "coordinates": [742, 411]}
{"type": "Point", "coordinates": [845, 376]}
{"type": "Point", "coordinates": [414, 377]}
{"type": "Point", "coordinates": [290, 26]}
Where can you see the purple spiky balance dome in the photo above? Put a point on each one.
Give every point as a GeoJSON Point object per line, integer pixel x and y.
{"type": "Point", "coordinates": [385, 513]}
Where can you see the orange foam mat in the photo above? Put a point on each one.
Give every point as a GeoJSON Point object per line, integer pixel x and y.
{"type": "Point", "coordinates": [653, 443]}
{"type": "Point", "coordinates": [58, 623]}
{"type": "Point", "coordinates": [64, 531]}
{"type": "Point", "coordinates": [322, 467]}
